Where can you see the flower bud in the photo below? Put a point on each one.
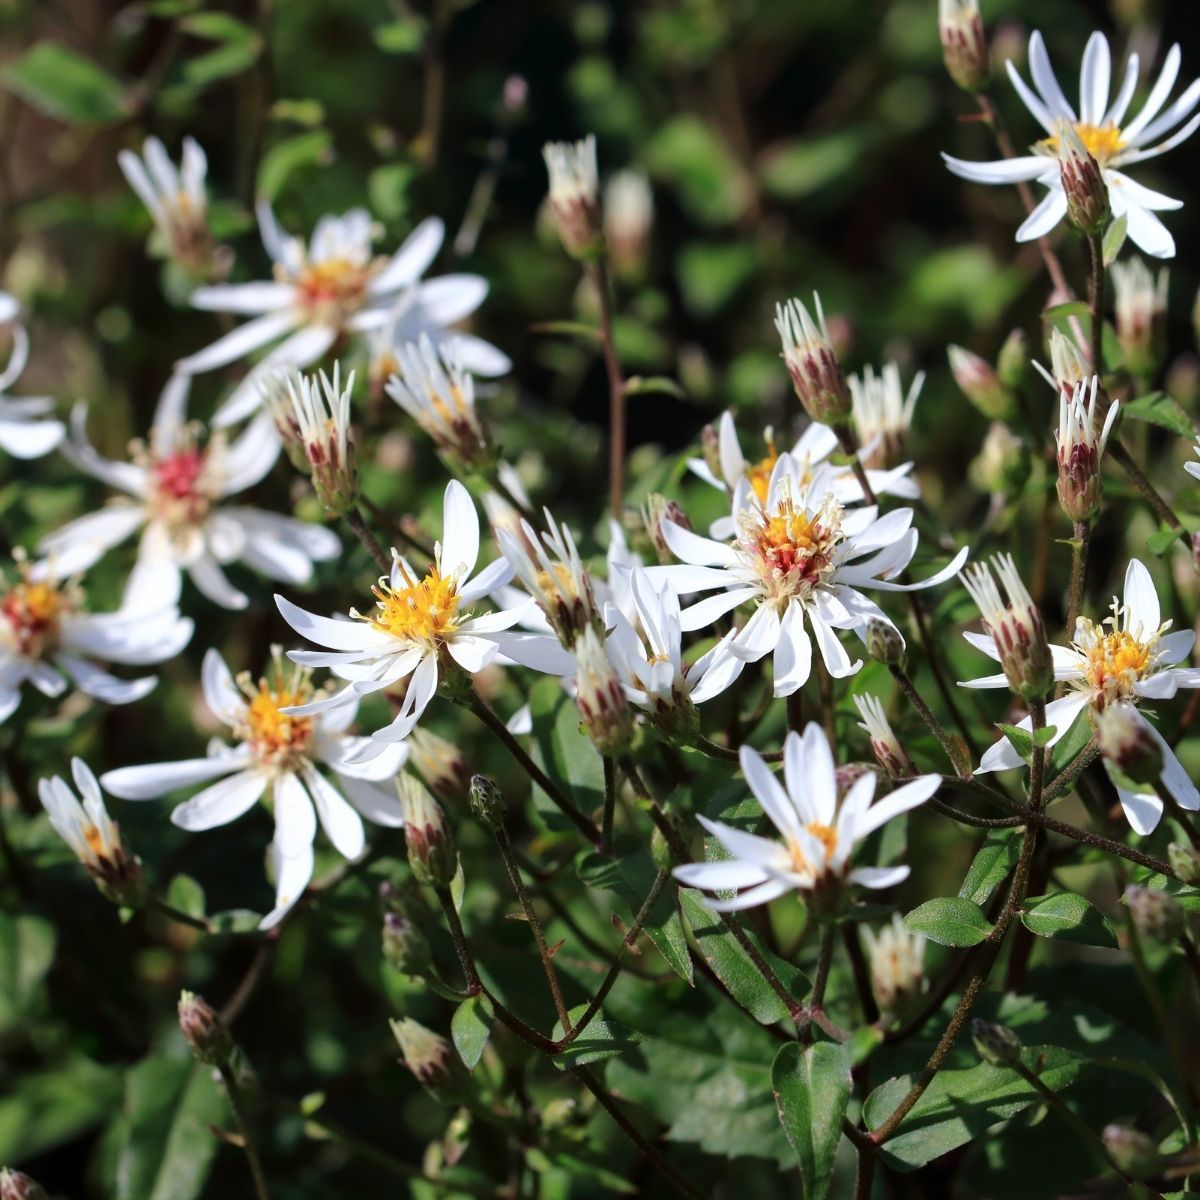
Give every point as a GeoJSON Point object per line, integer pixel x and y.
{"type": "Point", "coordinates": [1081, 446]}
{"type": "Point", "coordinates": [487, 802]}
{"type": "Point", "coordinates": [203, 1029]}
{"type": "Point", "coordinates": [1155, 914]}
{"type": "Point", "coordinates": [431, 850]}
{"type": "Point", "coordinates": [897, 957]}
{"type": "Point", "coordinates": [322, 411]}
{"type": "Point", "coordinates": [628, 215]}
{"type": "Point", "coordinates": [885, 643]}
{"type": "Point", "coordinates": [433, 1061]}
{"type": "Point", "coordinates": [996, 1044]}
{"type": "Point", "coordinates": [1012, 363]}
{"type": "Point", "coordinates": [1016, 626]}
{"type": "Point", "coordinates": [600, 697]}
{"type": "Point", "coordinates": [978, 381]}
{"type": "Point", "coordinates": [1127, 744]}
{"type": "Point", "coordinates": [404, 946]}
{"type": "Point", "coordinates": [889, 754]}
{"type": "Point", "coordinates": [440, 764]}
{"type": "Point", "coordinates": [275, 388]}
{"type": "Point", "coordinates": [710, 447]}
{"type": "Point", "coordinates": [1087, 194]}
{"type": "Point", "coordinates": [16, 1185]}
{"type": "Point", "coordinates": [1002, 465]}
{"type": "Point", "coordinates": [574, 197]}
{"type": "Point", "coordinates": [1185, 862]}
{"type": "Point", "coordinates": [1133, 1152]}
{"type": "Point", "coordinates": [812, 363]}
{"type": "Point", "coordinates": [964, 46]}
{"type": "Point", "coordinates": [655, 511]}
{"type": "Point", "coordinates": [1141, 316]}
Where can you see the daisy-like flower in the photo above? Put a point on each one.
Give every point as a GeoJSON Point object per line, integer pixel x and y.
{"type": "Point", "coordinates": [282, 754]}
{"type": "Point", "coordinates": [421, 626]}
{"type": "Point", "coordinates": [1101, 127]}
{"type": "Point", "coordinates": [897, 957]}
{"type": "Point", "coordinates": [176, 199]}
{"type": "Point", "coordinates": [1127, 658]}
{"type": "Point", "coordinates": [1193, 468]}
{"type": "Point", "coordinates": [1080, 449]}
{"type": "Point", "coordinates": [174, 492]}
{"type": "Point", "coordinates": [92, 835]}
{"type": "Point", "coordinates": [47, 637]}
{"type": "Point", "coordinates": [810, 452]}
{"type": "Point", "coordinates": [799, 557]}
{"type": "Point", "coordinates": [332, 287]}
{"type": "Point", "coordinates": [817, 836]}
{"type": "Point", "coordinates": [23, 431]}
{"type": "Point", "coordinates": [882, 413]}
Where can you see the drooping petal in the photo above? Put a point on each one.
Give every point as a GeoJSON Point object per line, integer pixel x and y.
{"type": "Point", "coordinates": [220, 802]}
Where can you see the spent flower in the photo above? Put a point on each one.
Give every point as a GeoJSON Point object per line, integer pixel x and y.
{"type": "Point", "coordinates": [1140, 304]}
{"type": "Point", "coordinates": [897, 958]}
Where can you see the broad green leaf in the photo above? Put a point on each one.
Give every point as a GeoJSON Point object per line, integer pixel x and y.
{"type": "Point", "coordinates": [812, 1088]}
{"type": "Point", "coordinates": [564, 752]}
{"type": "Point", "coordinates": [238, 47]}
{"type": "Point", "coordinates": [950, 921]}
{"type": "Point", "coordinates": [1114, 239]}
{"type": "Point", "coordinates": [293, 154]}
{"type": "Point", "coordinates": [732, 965]}
{"type": "Point", "coordinates": [1159, 409]}
{"type": "Point", "coordinates": [26, 952]}
{"type": "Point", "coordinates": [1044, 735]}
{"type": "Point", "coordinates": [804, 167]}
{"type": "Point", "coordinates": [60, 83]}
{"type": "Point", "coordinates": [991, 865]}
{"type": "Point", "coordinates": [185, 894]}
{"type": "Point", "coordinates": [167, 1145]}
{"type": "Point", "coordinates": [470, 1027]}
{"type": "Point", "coordinates": [710, 274]}
{"type": "Point", "coordinates": [1159, 542]}
{"type": "Point", "coordinates": [1069, 745]}
{"type": "Point", "coordinates": [55, 1105]}
{"type": "Point", "coordinates": [1068, 916]}
{"type": "Point", "coordinates": [602, 1039]}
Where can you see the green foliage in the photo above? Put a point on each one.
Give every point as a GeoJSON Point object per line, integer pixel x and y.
{"type": "Point", "coordinates": [812, 1089]}
{"type": "Point", "coordinates": [1068, 916]}
{"type": "Point", "coordinates": [949, 921]}
{"type": "Point", "coordinates": [63, 84]}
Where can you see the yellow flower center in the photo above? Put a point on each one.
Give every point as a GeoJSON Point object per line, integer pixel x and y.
{"type": "Point", "coordinates": [95, 843]}
{"type": "Point", "coordinates": [32, 614]}
{"type": "Point", "coordinates": [1113, 661]}
{"type": "Point", "coordinates": [275, 737]}
{"type": "Point", "coordinates": [1102, 142]}
{"type": "Point", "coordinates": [423, 610]}
{"type": "Point", "coordinates": [758, 474]}
{"type": "Point", "coordinates": [792, 548]}
{"type": "Point", "coordinates": [825, 834]}
{"type": "Point", "coordinates": [332, 289]}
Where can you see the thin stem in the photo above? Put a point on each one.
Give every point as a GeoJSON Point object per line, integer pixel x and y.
{"type": "Point", "coordinates": [964, 818]}
{"type": "Point", "coordinates": [795, 1009]}
{"type": "Point", "coordinates": [1079, 552]}
{"type": "Point", "coordinates": [1095, 250]}
{"type": "Point", "coordinates": [1066, 779]}
{"type": "Point", "coordinates": [728, 754]}
{"type": "Point", "coordinates": [816, 1000]}
{"type": "Point", "coordinates": [610, 803]}
{"type": "Point", "coordinates": [465, 957]}
{"type": "Point", "coordinates": [354, 519]}
{"type": "Point", "coordinates": [179, 916]}
{"type": "Point", "coordinates": [864, 1177]}
{"type": "Point", "coordinates": [598, 273]}
{"type": "Point", "coordinates": [1124, 457]}
{"type": "Point", "coordinates": [250, 981]}
{"type": "Point", "coordinates": [631, 1131]}
{"type": "Point", "coordinates": [961, 769]}
{"type": "Point", "coordinates": [939, 676]}
{"type": "Point", "coordinates": [238, 1103]}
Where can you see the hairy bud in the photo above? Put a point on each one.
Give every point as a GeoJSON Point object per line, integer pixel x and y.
{"type": "Point", "coordinates": [1083, 184]}
{"type": "Point", "coordinates": [203, 1029]}
{"type": "Point", "coordinates": [812, 363]}
{"type": "Point", "coordinates": [322, 411]}
{"type": "Point", "coordinates": [978, 381]}
{"type": "Point", "coordinates": [964, 46]}
{"type": "Point", "coordinates": [996, 1044]}
{"type": "Point", "coordinates": [404, 946]}
{"type": "Point", "coordinates": [1185, 862]}
{"type": "Point", "coordinates": [1081, 442]}
{"type": "Point", "coordinates": [1133, 1152]}
{"type": "Point", "coordinates": [487, 802]}
{"type": "Point", "coordinates": [1156, 915]}
{"type": "Point", "coordinates": [433, 1061]}
{"type": "Point", "coordinates": [885, 643]}
{"type": "Point", "coordinates": [1140, 305]}
{"type": "Point", "coordinates": [1127, 744]}
{"type": "Point", "coordinates": [431, 850]}
{"type": "Point", "coordinates": [440, 763]}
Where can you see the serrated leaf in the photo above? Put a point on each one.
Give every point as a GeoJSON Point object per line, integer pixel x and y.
{"type": "Point", "coordinates": [62, 84]}
{"type": "Point", "coordinates": [1067, 916]}
{"type": "Point", "coordinates": [949, 921]}
{"type": "Point", "coordinates": [470, 1027]}
{"type": "Point", "coordinates": [1159, 409]}
{"type": "Point", "coordinates": [1114, 239]}
{"type": "Point", "coordinates": [602, 1039]}
{"type": "Point", "coordinates": [812, 1087]}
{"type": "Point", "coordinates": [991, 865]}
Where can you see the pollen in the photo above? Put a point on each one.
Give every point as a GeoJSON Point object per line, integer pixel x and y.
{"type": "Point", "coordinates": [423, 610]}
{"type": "Point", "coordinates": [1114, 660]}
{"type": "Point", "coordinates": [277, 738]}
{"type": "Point", "coordinates": [31, 614]}
{"type": "Point", "coordinates": [333, 288]}
{"type": "Point", "coordinates": [94, 839]}
{"type": "Point", "coordinates": [792, 548]}
{"type": "Point", "coordinates": [1102, 142]}
{"type": "Point", "coordinates": [758, 474]}
{"type": "Point", "coordinates": [825, 834]}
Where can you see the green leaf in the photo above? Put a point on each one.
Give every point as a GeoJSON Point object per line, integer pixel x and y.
{"type": "Point", "coordinates": [732, 965]}
{"type": "Point", "coordinates": [1071, 744]}
{"type": "Point", "coordinates": [991, 865]}
{"type": "Point", "coordinates": [1159, 409]}
{"type": "Point", "coordinates": [712, 273]}
{"type": "Point", "coordinates": [167, 1145]}
{"type": "Point", "coordinates": [1022, 742]}
{"type": "Point", "coordinates": [238, 47]}
{"type": "Point", "coordinates": [1159, 542]}
{"type": "Point", "coordinates": [564, 752]}
{"type": "Point", "coordinates": [602, 1039]}
{"type": "Point", "coordinates": [1068, 916]}
{"type": "Point", "coordinates": [812, 1088]}
{"type": "Point", "coordinates": [60, 83]}
{"type": "Point", "coordinates": [806, 167]}
{"type": "Point", "coordinates": [1114, 239]}
{"type": "Point", "coordinates": [689, 153]}
{"type": "Point", "coordinates": [405, 35]}
{"type": "Point", "coordinates": [950, 921]}
{"type": "Point", "coordinates": [26, 952]}
{"type": "Point", "coordinates": [293, 154]}
{"type": "Point", "coordinates": [470, 1027]}
{"type": "Point", "coordinates": [55, 1105]}
{"type": "Point", "coordinates": [1073, 308]}
{"type": "Point", "coordinates": [1044, 735]}
{"type": "Point", "coordinates": [185, 894]}
{"type": "Point", "coordinates": [644, 385]}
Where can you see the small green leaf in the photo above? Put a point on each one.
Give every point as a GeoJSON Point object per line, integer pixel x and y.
{"type": "Point", "coordinates": [1044, 735]}
{"type": "Point", "coordinates": [1114, 239]}
{"type": "Point", "coordinates": [1068, 916]}
{"type": "Point", "coordinates": [235, 920]}
{"type": "Point", "coordinates": [1073, 308]}
{"type": "Point", "coordinates": [469, 1028]}
{"type": "Point", "coordinates": [812, 1088]}
{"type": "Point", "coordinates": [1159, 409]}
{"type": "Point", "coordinates": [950, 921]}
{"type": "Point", "coordinates": [1159, 542]}
{"type": "Point", "coordinates": [991, 865]}
{"type": "Point", "coordinates": [643, 385]}
{"type": "Point", "coordinates": [60, 83]}
{"type": "Point", "coordinates": [1022, 742]}
{"type": "Point", "coordinates": [602, 1039]}
{"type": "Point", "coordinates": [292, 154]}
{"type": "Point", "coordinates": [406, 35]}
{"type": "Point", "coordinates": [185, 894]}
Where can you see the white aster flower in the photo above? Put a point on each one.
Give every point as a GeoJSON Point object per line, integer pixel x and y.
{"type": "Point", "coordinates": [1193, 468]}
{"type": "Point", "coordinates": [175, 197]}
{"type": "Point", "coordinates": [747, 480]}
{"type": "Point", "coordinates": [321, 412]}
{"type": "Point", "coordinates": [799, 557]}
{"type": "Point", "coordinates": [419, 621]}
{"type": "Point", "coordinates": [174, 492]}
{"type": "Point", "coordinates": [284, 754]}
{"type": "Point", "coordinates": [1102, 128]}
{"type": "Point", "coordinates": [818, 835]}
{"type": "Point", "coordinates": [897, 957]}
{"type": "Point", "coordinates": [331, 287]}
{"type": "Point", "coordinates": [1129, 657]}
{"type": "Point", "coordinates": [47, 637]}
{"type": "Point", "coordinates": [23, 432]}
{"type": "Point", "coordinates": [882, 412]}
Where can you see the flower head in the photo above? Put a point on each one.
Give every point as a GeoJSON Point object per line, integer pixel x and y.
{"type": "Point", "coordinates": [978, 381]}
{"type": "Point", "coordinates": [600, 697]}
{"type": "Point", "coordinates": [322, 411]}
{"type": "Point", "coordinates": [885, 745]}
{"type": "Point", "coordinates": [897, 958]}
{"type": "Point", "coordinates": [1141, 315]}
{"type": "Point", "coordinates": [628, 216]}
{"type": "Point", "coordinates": [812, 362]}
{"type": "Point", "coordinates": [575, 195]}
{"type": "Point", "coordinates": [883, 413]}
{"type": "Point", "coordinates": [1080, 449]}
{"type": "Point", "coordinates": [23, 431]}
{"type": "Point", "coordinates": [964, 46]}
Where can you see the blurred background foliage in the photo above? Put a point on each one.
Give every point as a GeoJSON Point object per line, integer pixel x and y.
{"type": "Point", "coordinates": [790, 146]}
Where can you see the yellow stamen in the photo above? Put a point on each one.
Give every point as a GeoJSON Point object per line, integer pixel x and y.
{"type": "Point", "coordinates": [424, 610]}
{"type": "Point", "coordinates": [1102, 142]}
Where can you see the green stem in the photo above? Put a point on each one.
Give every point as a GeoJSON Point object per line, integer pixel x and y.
{"type": "Point", "coordinates": [598, 273]}
{"type": "Point", "coordinates": [371, 543]}
{"type": "Point", "coordinates": [1079, 551]}
{"type": "Point", "coordinates": [238, 1103]}
{"type": "Point", "coordinates": [963, 770]}
{"type": "Point", "coordinates": [461, 948]}
{"type": "Point", "coordinates": [1095, 248]}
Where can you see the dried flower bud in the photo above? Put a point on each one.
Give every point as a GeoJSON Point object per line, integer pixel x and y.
{"type": "Point", "coordinates": [1185, 862]}
{"type": "Point", "coordinates": [575, 196]}
{"type": "Point", "coordinates": [1002, 465]}
{"type": "Point", "coordinates": [1141, 316]}
{"type": "Point", "coordinates": [812, 363]}
{"type": "Point", "coordinates": [1127, 744]}
{"type": "Point", "coordinates": [1155, 914]}
{"type": "Point", "coordinates": [978, 381]}
{"type": "Point", "coordinates": [203, 1029]}
{"type": "Point", "coordinates": [433, 1061]}
{"type": "Point", "coordinates": [996, 1044]}
{"type": "Point", "coordinates": [1133, 1152]}
{"type": "Point", "coordinates": [656, 510]}
{"type": "Point", "coordinates": [1012, 363]}
{"type": "Point", "coordinates": [440, 764]}
{"type": "Point", "coordinates": [964, 46]}
{"type": "Point", "coordinates": [1087, 194]}
{"type": "Point", "coordinates": [487, 802]}
{"type": "Point", "coordinates": [16, 1185]}
{"type": "Point", "coordinates": [322, 411]}
{"type": "Point", "coordinates": [628, 216]}
{"type": "Point", "coordinates": [600, 697]}
{"type": "Point", "coordinates": [897, 957]}
{"type": "Point", "coordinates": [889, 754]}
{"type": "Point", "coordinates": [404, 946]}
{"type": "Point", "coordinates": [1015, 625]}
{"type": "Point", "coordinates": [431, 850]}
{"type": "Point", "coordinates": [1081, 446]}
{"type": "Point", "coordinates": [885, 643]}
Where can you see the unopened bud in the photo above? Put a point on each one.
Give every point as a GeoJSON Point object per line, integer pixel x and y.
{"type": "Point", "coordinates": [996, 1044]}
{"type": "Point", "coordinates": [16, 1185]}
{"type": "Point", "coordinates": [600, 697]}
{"type": "Point", "coordinates": [1127, 744]}
{"type": "Point", "coordinates": [710, 448]}
{"type": "Point", "coordinates": [322, 410]}
{"type": "Point", "coordinates": [205, 1032]}
{"type": "Point", "coordinates": [897, 958]}
{"type": "Point", "coordinates": [1185, 862]}
{"type": "Point", "coordinates": [433, 1061]}
{"type": "Point", "coordinates": [574, 196]}
{"type": "Point", "coordinates": [1141, 315]}
{"type": "Point", "coordinates": [812, 363]}
{"type": "Point", "coordinates": [1012, 363]}
{"type": "Point", "coordinates": [1155, 914]}
{"type": "Point", "coordinates": [978, 381]}
{"type": "Point", "coordinates": [964, 46]}
{"type": "Point", "coordinates": [440, 763]}
{"type": "Point", "coordinates": [275, 388]}
{"type": "Point", "coordinates": [885, 643]}
{"type": "Point", "coordinates": [628, 215]}
{"type": "Point", "coordinates": [1133, 1152]}
{"type": "Point", "coordinates": [487, 802]}
{"type": "Point", "coordinates": [1015, 624]}
{"type": "Point", "coordinates": [1082, 437]}
{"type": "Point", "coordinates": [431, 850]}
{"type": "Point", "coordinates": [404, 946]}
{"type": "Point", "coordinates": [1083, 184]}
{"type": "Point", "coordinates": [656, 510]}
{"type": "Point", "coordinates": [1002, 465]}
{"type": "Point", "coordinates": [889, 754]}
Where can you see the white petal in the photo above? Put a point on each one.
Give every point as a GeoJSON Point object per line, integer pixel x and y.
{"type": "Point", "coordinates": [878, 877]}
{"type": "Point", "coordinates": [219, 803]}
{"type": "Point", "coordinates": [1158, 94]}
{"type": "Point", "coordinates": [759, 636]}
{"type": "Point", "coordinates": [239, 342]}
{"type": "Point", "coordinates": [1141, 600]}
{"type": "Point", "coordinates": [460, 531]}
{"type": "Point", "coordinates": [249, 298]}
{"type": "Point", "coordinates": [1148, 233]}
{"type": "Point", "coordinates": [1044, 78]}
{"type": "Point", "coordinates": [337, 635]}
{"type": "Point", "coordinates": [410, 262]}
{"type": "Point", "coordinates": [1004, 170]}
{"type": "Point", "coordinates": [1045, 216]}
{"type": "Point", "coordinates": [1095, 79]}
{"type": "Point", "coordinates": [769, 792]}
{"type": "Point", "coordinates": [793, 655]}
{"type": "Point", "coordinates": [292, 876]}
{"type": "Point", "coordinates": [153, 780]}
{"type": "Point", "coordinates": [910, 795]}
{"type": "Point", "coordinates": [342, 825]}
